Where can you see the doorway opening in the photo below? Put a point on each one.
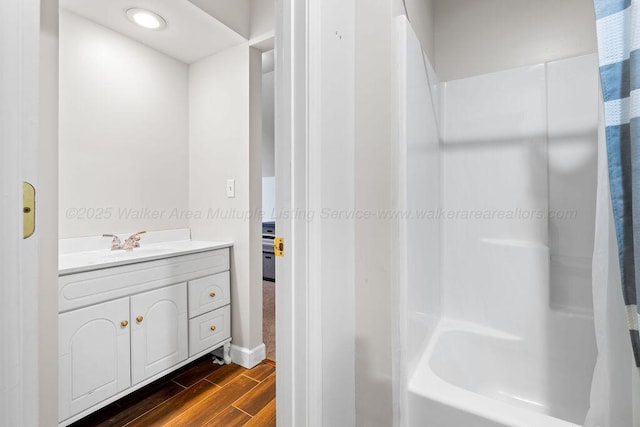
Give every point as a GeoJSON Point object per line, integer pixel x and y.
{"type": "Point", "coordinates": [160, 136]}
{"type": "Point", "coordinates": [268, 206]}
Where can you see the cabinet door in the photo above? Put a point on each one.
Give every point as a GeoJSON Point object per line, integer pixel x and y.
{"type": "Point", "coordinates": [158, 331]}
{"type": "Point", "coordinates": [93, 355]}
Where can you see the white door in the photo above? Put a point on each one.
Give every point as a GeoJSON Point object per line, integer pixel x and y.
{"type": "Point", "coordinates": [158, 331]}
{"type": "Point", "coordinates": [19, 373]}
{"type": "Point", "coordinates": [94, 359]}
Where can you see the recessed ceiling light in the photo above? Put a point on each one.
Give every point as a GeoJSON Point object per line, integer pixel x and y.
{"type": "Point", "coordinates": [146, 19]}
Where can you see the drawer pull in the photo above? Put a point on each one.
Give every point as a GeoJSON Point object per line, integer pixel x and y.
{"type": "Point", "coordinates": [124, 323]}
{"type": "Point", "coordinates": [212, 294]}
{"type": "Point", "coordinates": [139, 319]}
{"type": "Point", "coordinates": [213, 327]}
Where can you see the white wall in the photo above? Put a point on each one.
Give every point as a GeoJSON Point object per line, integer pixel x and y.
{"type": "Point", "coordinates": [254, 258]}
{"type": "Point", "coordinates": [268, 116]}
{"type": "Point", "coordinates": [47, 218]}
{"type": "Point", "coordinates": [373, 238]}
{"type": "Point", "coordinates": [269, 198]}
{"type": "Point", "coordinates": [224, 143]}
{"type": "Point", "coordinates": [331, 123]}
{"type": "Point", "coordinates": [123, 133]}
{"type": "Point", "coordinates": [475, 37]}
{"type": "Point", "coordinates": [249, 18]}
{"type": "Point", "coordinates": [268, 137]}
{"type": "Point", "coordinates": [235, 15]}
{"type": "Point", "coordinates": [262, 18]}
{"type": "Point", "coordinates": [421, 16]}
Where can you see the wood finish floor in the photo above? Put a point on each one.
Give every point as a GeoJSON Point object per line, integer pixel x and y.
{"type": "Point", "coordinates": [199, 394]}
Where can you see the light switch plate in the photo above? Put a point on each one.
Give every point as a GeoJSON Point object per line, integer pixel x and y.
{"type": "Point", "coordinates": [231, 188]}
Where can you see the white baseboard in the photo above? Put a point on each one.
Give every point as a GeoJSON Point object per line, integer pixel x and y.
{"type": "Point", "coordinates": [248, 358]}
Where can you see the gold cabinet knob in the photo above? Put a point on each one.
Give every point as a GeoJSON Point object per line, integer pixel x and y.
{"type": "Point", "coordinates": [212, 294]}
{"type": "Point", "coordinates": [213, 327]}
{"type": "Point", "coordinates": [139, 319]}
{"type": "Point", "coordinates": [124, 323]}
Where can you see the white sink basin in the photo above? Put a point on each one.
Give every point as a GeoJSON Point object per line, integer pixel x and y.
{"type": "Point", "coordinates": [132, 254]}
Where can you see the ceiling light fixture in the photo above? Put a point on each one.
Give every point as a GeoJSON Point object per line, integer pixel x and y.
{"type": "Point", "coordinates": [146, 19]}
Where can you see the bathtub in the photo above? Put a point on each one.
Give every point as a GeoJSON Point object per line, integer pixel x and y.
{"type": "Point", "coordinates": [473, 376]}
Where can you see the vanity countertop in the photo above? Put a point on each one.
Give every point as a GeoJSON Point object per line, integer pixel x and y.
{"type": "Point", "coordinates": [85, 257]}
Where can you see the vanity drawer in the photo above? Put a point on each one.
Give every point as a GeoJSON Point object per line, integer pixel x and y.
{"type": "Point", "coordinates": [209, 329]}
{"type": "Point", "coordinates": [208, 293]}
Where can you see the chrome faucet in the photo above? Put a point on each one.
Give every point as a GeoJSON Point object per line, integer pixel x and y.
{"type": "Point", "coordinates": [132, 241]}
{"type": "Point", "coordinates": [115, 242]}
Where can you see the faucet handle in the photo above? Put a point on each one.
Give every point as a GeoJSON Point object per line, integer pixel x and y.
{"type": "Point", "coordinates": [115, 241]}
{"type": "Point", "coordinates": [133, 241]}
{"type": "Point", "coordinates": [136, 236]}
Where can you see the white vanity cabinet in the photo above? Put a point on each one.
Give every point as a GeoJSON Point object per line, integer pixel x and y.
{"type": "Point", "coordinates": [125, 326]}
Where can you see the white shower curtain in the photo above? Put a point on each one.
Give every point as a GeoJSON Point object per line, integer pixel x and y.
{"type": "Point", "coordinates": [615, 391]}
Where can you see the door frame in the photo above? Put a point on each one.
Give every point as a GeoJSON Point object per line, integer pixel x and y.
{"type": "Point", "coordinates": [292, 389]}
{"type": "Point", "coordinates": [314, 154]}
{"type": "Point", "coordinates": [28, 130]}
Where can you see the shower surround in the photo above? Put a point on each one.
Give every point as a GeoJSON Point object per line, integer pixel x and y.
{"type": "Point", "coordinates": [495, 301]}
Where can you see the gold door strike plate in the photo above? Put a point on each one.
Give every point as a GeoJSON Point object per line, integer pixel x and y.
{"type": "Point", "coordinates": [278, 246]}
{"type": "Point", "coordinates": [28, 209]}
